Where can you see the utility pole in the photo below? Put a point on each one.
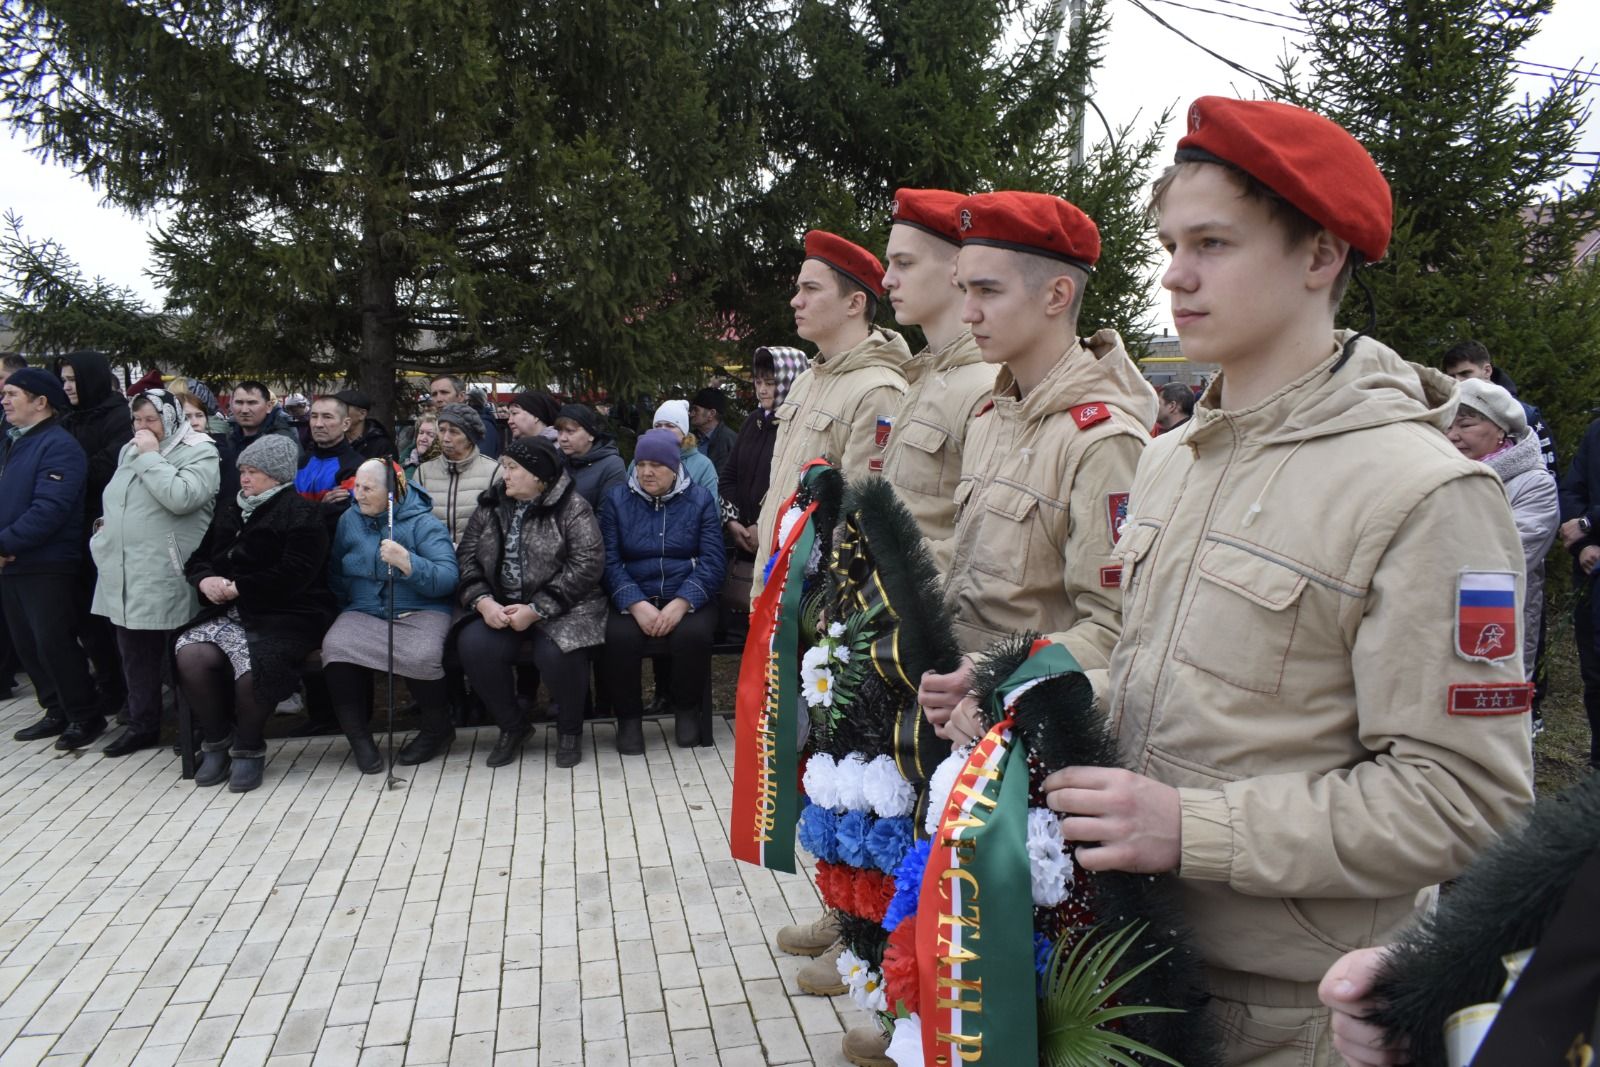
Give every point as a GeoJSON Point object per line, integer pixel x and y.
{"type": "Point", "coordinates": [1069, 15]}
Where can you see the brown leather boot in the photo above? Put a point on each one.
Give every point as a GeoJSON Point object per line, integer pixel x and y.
{"type": "Point", "coordinates": [820, 977]}
{"type": "Point", "coordinates": [809, 939]}
{"type": "Point", "coordinates": [867, 1046]}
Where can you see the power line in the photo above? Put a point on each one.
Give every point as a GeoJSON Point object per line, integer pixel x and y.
{"type": "Point", "coordinates": [1242, 69]}
{"type": "Point", "coordinates": [1236, 18]}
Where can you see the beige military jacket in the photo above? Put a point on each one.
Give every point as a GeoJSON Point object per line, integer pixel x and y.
{"type": "Point", "coordinates": [1293, 661]}
{"type": "Point", "coordinates": [923, 458]}
{"type": "Point", "coordinates": [1044, 483]}
{"type": "Point", "coordinates": [832, 411]}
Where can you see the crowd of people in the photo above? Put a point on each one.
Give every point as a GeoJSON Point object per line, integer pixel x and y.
{"type": "Point", "coordinates": [148, 540]}
{"type": "Point", "coordinates": [1296, 594]}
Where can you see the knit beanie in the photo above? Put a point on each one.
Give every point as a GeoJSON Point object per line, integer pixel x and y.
{"type": "Point", "coordinates": [675, 412]}
{"type": "Point", "coordinates": [537, 456]}
{"type": "Point", "coordinates": [540, 405]}
{"type": "Point", "coordinates": [464, 418]}
{"type": "Point", "coordinates": [658, 446]}
{"type": "Point", "coordinates": [584, 416]}
{"type": "Point", "coordinates": [273, 455]}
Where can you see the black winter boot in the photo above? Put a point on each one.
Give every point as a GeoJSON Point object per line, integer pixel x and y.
{"type": "Point", "coordinates": [246, 771]}
{"type": "Point", "coordinates": [686, 723]}
{"type": "Point", "coordinates": [357, 729]}
{"type": "Point", "coordinates": [214, 761]}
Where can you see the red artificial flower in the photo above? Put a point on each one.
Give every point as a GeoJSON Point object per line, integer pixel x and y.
{"type": "Point", "coordinates": [870, 901]}
{"type": "Point", "coordinates": [900, 966]}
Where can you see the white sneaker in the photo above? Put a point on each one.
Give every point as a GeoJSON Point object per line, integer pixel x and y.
{"type": "Point", "coordinates": [295, 705]}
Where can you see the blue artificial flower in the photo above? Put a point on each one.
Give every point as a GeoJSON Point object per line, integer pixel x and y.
{"type": "Point", "coordinates": [1042, 947]}
{"type": "Point", "coordinates": [907, 885]}
{"type": "Point", "coordinates": [818, 832]}
{"type": "Point", "coordinates": [889, 842]}
{"type": "Point", "coordinates": [854, 826]}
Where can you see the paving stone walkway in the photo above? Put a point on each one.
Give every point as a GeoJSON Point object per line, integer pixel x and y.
{"type": "Point", "coordinates": [515, 916]}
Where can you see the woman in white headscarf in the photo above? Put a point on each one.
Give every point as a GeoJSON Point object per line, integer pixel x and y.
{"type": "Point", "coordinates": [158, 505]}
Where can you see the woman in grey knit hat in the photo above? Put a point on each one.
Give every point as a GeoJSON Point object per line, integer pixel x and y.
{"type": "Point", "coordinates": [457, 478]}
{"type": "Point", "coordinates": [261, 573]}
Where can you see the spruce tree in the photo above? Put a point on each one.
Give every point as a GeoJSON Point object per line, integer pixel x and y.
{"type": "Point", "coordinates": [1488, 204]}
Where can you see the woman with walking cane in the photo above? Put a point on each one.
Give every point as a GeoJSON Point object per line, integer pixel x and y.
{"type": "Point", "coordinates": [392, 571]}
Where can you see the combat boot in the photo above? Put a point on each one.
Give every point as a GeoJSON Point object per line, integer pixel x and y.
{"type": "Point", "coordinates": [810, 939]}
{"type": "Point", "coordinates": [821, 976]}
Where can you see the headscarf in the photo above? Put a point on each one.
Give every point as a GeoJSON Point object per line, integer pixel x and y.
{"type": "Point", "coordinates": [175, 428]}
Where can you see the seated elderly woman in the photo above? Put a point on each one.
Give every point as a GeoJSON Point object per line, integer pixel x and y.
{"type": "Point", "coordinates": [262, 576]}
{"type": "Point", "coordinates": [1491, 427]}
{"type": "Point", "coordinates": [531, 561]}
{"type": "Point", "coordinates": [368, 550]}
{"type": "Point", "coordinates": [158, 507]}
{"type": "Point", "coordinates": [664, 567]}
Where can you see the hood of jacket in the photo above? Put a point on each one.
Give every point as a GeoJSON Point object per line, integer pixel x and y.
{"type": "Point", "coordinates": [960, 351]}
{"type": "Point", "coordinates": [1527, 454]}
{"type": "Point", "coordinates": [1374, 388]}
{"type": "Point", "coordinates": [882, 348]}
{"type": "Point", "coordinates": [415, 503]}
{"type": "Point", "coordinates": [602, 447]}
{"type": "Point", "coordinates": [95, 382]}
{"type": "Point", "coordinates": [679, 487]}
{"type": "Point", "coordinates": [1096, 371]}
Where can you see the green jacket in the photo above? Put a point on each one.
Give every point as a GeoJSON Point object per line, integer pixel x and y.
{"type": "Point", "coordinates": [157, 509]}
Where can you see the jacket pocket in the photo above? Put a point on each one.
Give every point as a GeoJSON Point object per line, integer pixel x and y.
{"type": "Point", "coordinates": [1241, 618]}
{"type": "Point", "coordinates": [921, 469]}
{"type": "Point", "coordinates": [786, 411]}
{"type": "Point", "coordinates": [1133, 547]}
{"type": "Point", "coordinates": [1005, 538]}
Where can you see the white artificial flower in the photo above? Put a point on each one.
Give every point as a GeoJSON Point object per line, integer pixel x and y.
{"type": "Point", "coordinates": [816, 656]}
{"type": "Point", "coordinates": [939, 786]}
{"type": "Point", "coordinates": [836, 630]}
{"type": "Point", "coordinates": [905, 1043]}
{"type": "Point", "coordinates": [852, 782]}
{"type": "Point", "coordinates": [817, 684]}
{"type": "Point", "coordinates": [853, 971]}
{"type": "Point", "coordinates": [821, 780]}
{"type": "Point", "coordinates": [873, 997]}
{"type": "Point", "coordinates": [841, 653]}
{"type": "Point", "coordinates": [1049, 866]}
{"type": "Point", "coordinates": [791, 519]}
{"type": "Point", "coordinates": [886, 790]}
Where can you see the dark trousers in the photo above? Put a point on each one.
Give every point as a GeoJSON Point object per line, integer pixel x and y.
{"type": "Point", "coordinates": [1583, 631]}
{"type": "Point", "coordinates": [42, 615]}
{"type": "Point", "coordinates": [688, 646]}
{"type": "Point", "coordinates": [490, 657]}
{"type": "Point", "coordinates": [99, 640]}
{"type": "Point", "coordinates": [143, 652]}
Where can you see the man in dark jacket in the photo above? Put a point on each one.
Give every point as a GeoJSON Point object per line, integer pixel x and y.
{"type": "Point", "coordinates": [366, 435]}
{"type": "Point", "coordinates": [41, 551]}
{"type": "Point", "coordinates": [706, 411]}
{"type": "Point", "coordinates": [254, 415]}
{"type": "Point", "coordinates": [101, 423]}
{"type": "Point", "coordinates": [1580, 535]}
{"type": "Point", "coordinates": [328, 465]}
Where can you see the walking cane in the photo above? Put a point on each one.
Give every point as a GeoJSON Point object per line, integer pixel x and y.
{"type": "Point", "coordinates": [391, 782]}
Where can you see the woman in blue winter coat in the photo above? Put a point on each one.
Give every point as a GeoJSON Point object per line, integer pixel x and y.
{"type": "Point", "coordinates": [419, 555]}
{"type": "Point", "coordinates": [664, 567]}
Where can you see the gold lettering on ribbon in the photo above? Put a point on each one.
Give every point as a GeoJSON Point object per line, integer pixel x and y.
{"type": "Point", "coordinates": [955, 987]}
{"type": "Point", "coordinates": [978, 797]}
{"type": "Point", "coordinates": [766, 779]}
{"type": "Point", "coordinates": [968, 1047]}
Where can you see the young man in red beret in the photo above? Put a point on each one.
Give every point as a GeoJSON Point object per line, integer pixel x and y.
{"type": "Point", "coordinates": [1049, 461]}
{"type": "Point", "coordinates": [948, 380]}
{"type": "Point", "coordinates": [1318, 687]}
{"type": "Point", "coordinates": [841, 406]}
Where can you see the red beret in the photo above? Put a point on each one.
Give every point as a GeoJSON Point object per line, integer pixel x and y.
{"type": "Point", "coordinates": [1030, 222]}
{"type": "Point", "coordinates": [929, 210]}
{"type": "Point", "coordinates": [1310, 161]}
{"type": "Point", "coordinates": [848, 258]}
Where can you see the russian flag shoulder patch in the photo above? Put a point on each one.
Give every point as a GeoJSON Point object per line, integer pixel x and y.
{"type": "Point", "coordinates": [1486, 616]}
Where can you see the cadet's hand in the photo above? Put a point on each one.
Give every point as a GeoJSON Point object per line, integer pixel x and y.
{"type": "Point", "coordinates": [1571, 533]}
{"type": "Point", "coordinates": [145, 441]}
{"type": "Point", "coordinates": [1588, 558]}
{"type": "Point", "coordinates": [1125, 821]}
{"type": "Point", "coordinates": [963, 725]}
{"type": "Point", "coordinates": [492, 613]}
{"type": "Point", "coordinates": [1347, 989]}
{"type": "Point", "coordinates": [940, 693]}
{"type": "Point", "coordinates": [519, 617]}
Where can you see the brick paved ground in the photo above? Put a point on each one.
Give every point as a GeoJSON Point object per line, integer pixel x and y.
{"type": "Point", "coordinates": [516, 916]}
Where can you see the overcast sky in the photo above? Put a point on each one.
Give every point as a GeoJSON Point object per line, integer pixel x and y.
{"type": "Point", "coordinates": [1148, 67]}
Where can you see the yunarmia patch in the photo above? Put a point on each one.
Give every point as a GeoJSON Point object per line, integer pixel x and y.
{"type": "Point", "coordinates": [1486, 616]}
